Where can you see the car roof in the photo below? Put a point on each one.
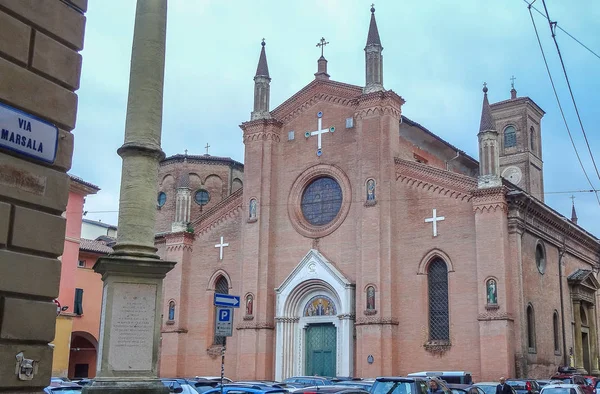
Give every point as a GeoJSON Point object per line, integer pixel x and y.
{"type": "Point", "coordinates": [486, 383]}
{"type": "Point", "coordinates": [560, 385]}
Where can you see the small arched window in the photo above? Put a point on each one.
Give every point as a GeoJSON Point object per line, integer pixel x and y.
{"type": "Point", "coordinates": [439, 316]}
{"type": "Point", "coordinates": [532, 139]}
{"type": "Point", "coordinates": [510, 137]}
{"type": "Point", "coordinates": [172, 310]}
{"type": "Point", "coordinates": [221, 287]}
{"type": "Point", "coordinates": [530, 328]}
{"type": "Point", "coordinates": [540, 258]}
{"type": "Point", "coordinates": [556, 332]}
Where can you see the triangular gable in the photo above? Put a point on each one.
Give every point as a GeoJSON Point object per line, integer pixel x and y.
{"type": "Point", "coordinates": [585, 278]}
{"type": "Point", "coordinates": [434, 179]}
{"type": "Point", "coordinates": [318, 90]}
{"type": "Point", "coordinates": [313, 265]}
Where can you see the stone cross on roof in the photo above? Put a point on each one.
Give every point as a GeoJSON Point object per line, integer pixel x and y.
{"type": "Point", "coordinates": [206, 147]}
{"type": "Point", "coordinates": [512, 81]}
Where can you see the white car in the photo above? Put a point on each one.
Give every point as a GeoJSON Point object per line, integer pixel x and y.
{"type": "Point", "coordinates": [561, 388]}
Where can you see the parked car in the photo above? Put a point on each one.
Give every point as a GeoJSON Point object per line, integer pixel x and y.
{"type": "Point", "coordinates": [490, 387]}
{"type": "Point", "coordinates": [524, 386]}
{"type": "Point", "coordinates": [307, 381]}
{"type": "Point", "coordinates": [451, 377]}
{"type": "Point", "coordinates": [405, 385]}
{"type": "Point", "coordinates": [331, 389]}
{"type": "Point", "coordinates": [246, 389]}
{"type": "Point", "coordinates": [63, 388]}
{"type": "Point", "coordinates": [543, 382]}
{"type": "Point", "coordinates": [465, 389]}
{"type": "Point", "coordinates": [363, 384]}
{"type": "Point", "coordinates": [177, 385]}
{"type": "Point", "coordinates": [562, 388]}
{"type": "Point", "coordinates": [579, 380]}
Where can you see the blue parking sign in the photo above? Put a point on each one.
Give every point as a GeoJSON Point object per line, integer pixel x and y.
{"type": "Point", "coordinates": [224, 322]}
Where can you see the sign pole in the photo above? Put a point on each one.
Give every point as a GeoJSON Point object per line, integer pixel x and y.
{"type": "Point", "coordinates": [222, 366]}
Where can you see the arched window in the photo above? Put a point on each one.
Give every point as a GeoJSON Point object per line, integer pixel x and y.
{"type": "Point", "coordinates": [172, 310]}
{"type": "Point", "coordinates": [532, 139]}
{"type": "Point", "coordinates": [221, 287]}
{"type": "Point", "coordinates": [540, 258]}
{"type": "Point", "coordinates": [530, 328]}
{"type": "Point", "coordinates": [556, 332]}
{"type": "Point", "coordinates": [439, 318]}
{"type": "Point", "coordinates": [510, 137]}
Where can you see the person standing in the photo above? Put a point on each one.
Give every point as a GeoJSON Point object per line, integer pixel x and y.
{"type": "Point", "coordinates": [434, 388]}
{"type": "Point", "coordinates": [503, 388]}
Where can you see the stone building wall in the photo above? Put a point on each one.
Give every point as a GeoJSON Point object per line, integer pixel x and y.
{"type": "Point", "coordinates": [40, 68]}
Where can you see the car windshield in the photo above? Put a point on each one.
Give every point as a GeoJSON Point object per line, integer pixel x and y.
{"type": "Point", "coordinates": [516, 383]}
{"type": "Point", "coordinates": [488, 389]}
{"type": "Point", "coordinates": [559, 390]}
{"type": "Point", "coordinates": [391, 387]}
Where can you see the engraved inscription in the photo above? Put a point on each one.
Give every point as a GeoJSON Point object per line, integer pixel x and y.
{"type": "Point", "coordinates": [132, 328]}
{"type": "Point", "coordinates": [14, 177]}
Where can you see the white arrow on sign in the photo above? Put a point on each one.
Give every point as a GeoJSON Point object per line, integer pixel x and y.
{"type": "Point", "coordinates": [227, 300]}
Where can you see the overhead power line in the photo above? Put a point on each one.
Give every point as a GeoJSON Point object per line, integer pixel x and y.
{"type": "Point", "coordinates": [551, 24]}
{"type": "Point", "coordinates": [563, 30]}
{"type": "Point", "coordinates": [558, 101]}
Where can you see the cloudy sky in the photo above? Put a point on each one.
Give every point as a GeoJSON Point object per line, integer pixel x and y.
{"type": "Point", "coordinates": [436, 56]}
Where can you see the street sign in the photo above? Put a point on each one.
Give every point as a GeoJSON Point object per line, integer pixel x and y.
{"type": "Point", "coordinates": [28, 135]}
{"type": "Point", "coordinates": [224, 322]}
{"type": "Point", "coordinates": [227, 300]}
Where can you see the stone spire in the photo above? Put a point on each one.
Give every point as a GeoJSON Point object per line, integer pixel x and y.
{"type": "Point", "coordinates": [262, 88]}
{"type": "Point", "coordinates": [183, 204]}
{"type": "Point", "coordinates": [373, 58]}
{"type": "Point", "coordinates": [322, 62]}
{"type": "Point", "coordinates": [489, 154]}
{"type": "Point", "coordinates": [573, 212]}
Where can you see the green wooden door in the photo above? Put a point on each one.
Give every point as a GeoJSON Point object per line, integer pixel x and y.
{"type": "Point", "coordinates": [320, 349]}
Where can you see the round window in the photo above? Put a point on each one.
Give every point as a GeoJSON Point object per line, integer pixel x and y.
{"type": "Point", "coordinates": [161, 199]}
{"type": "Point", "coordinates": [540, 258]}
{"type": "Point", "coordinates": [321, 201]}
{"type": "Point", "coordinates": [202, 197]}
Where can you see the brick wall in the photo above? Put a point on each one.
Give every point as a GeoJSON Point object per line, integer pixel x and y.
{"type": "Point", "coordinates": [40, 67]}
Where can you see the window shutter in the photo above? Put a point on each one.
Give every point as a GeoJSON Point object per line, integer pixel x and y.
{"type": "Point", "coordinates": [78, 308]}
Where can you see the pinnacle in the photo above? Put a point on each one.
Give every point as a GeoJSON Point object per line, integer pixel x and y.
{"type": "Point", "coordinates": [373, 36]}
{"type": "Point", "coordinates": [262, 69]}
{"type": "Point", "coordinates": [487, 121]}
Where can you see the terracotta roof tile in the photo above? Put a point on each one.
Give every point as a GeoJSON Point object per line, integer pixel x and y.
{"type": "Point", "coordinates": [91, 245]}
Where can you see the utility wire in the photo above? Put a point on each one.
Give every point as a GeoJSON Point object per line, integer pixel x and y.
{"type": "Point", "coordinates": [559, 105]}
{"type": "Point", "coordinates": [563, 30]}
{"type": "Point", "coordinates": [551, 24]}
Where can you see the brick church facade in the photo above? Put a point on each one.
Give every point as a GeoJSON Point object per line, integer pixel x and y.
{"type": "Point", "coordinates": [361, 244]}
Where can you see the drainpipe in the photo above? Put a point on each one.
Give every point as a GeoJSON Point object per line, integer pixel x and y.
{"type": "Point", "coordinates": [455, 157]}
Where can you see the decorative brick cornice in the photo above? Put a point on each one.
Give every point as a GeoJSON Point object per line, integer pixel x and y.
{"type": "Point", "coordinates": [261, 130]}
{"type": "Point", "coordinates": [539, 219]}
{"type": "Point", "coordinates": [249, 325]}
{"type": "Point", "coordinates": [493, 315]}
{"type": "Point", "coordinates": [181, 240]}
{"type": "Point", "coordinates": [287, 319]}
{"type": "Point", "coordinates": [317, 90]}
{"type": "Point", "coordinates": [224, 210]}
{"type": "Point", "coordinates": [436, 180]}
{"type": "Point", "coordinates": [490, 200]}
{"type": "Point", "coordinates": [385, 98]}
{"type": "Point", "coordinates": [374, 320]}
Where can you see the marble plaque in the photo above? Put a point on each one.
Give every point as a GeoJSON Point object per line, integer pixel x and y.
{"type": "Point", "coordinates": [132, 329]}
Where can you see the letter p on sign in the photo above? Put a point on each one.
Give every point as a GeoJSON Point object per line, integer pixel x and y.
{"type": "Point", "coordinates": [224, 315]}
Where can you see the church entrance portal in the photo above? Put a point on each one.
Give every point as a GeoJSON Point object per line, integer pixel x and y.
{"type": "Point", "coordinates": [320, 349]}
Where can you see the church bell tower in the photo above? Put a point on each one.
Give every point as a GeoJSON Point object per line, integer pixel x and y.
{"type": "Point", "coordinates": [518, 121]}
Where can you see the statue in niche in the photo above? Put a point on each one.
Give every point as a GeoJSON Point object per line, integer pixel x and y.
{"type": "Point", "coordinates": [249, 304]}
{"type": "Point", "coordinates": [492, 292]}
{"type": "Point", "coordinates": [172, 310]}
{"type": "Point", "coordinates": [252, 209]}
{"type": "Point", "coordinates": [370, 298]}
{"type": "Point", "coordinates": [371, 190]}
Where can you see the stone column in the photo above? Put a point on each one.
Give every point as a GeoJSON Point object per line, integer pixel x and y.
{"type": "Point", "coordinates": [593, 340]}
{"type": "Point", "coordinates": [577, 340]}
{"type": "Point", "coordinates": [133, 274]}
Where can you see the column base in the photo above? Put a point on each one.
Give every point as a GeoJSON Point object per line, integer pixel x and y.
{"type": "Point", "coordinates": [595, 372]}
{"type": "Point", "coordinates": [582, 371]}
{"type": "Point", "coordinates": [151, 386]}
